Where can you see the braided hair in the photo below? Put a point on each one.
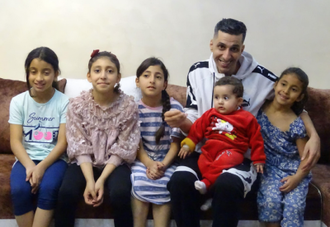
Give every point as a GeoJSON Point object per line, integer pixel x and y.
{"type": "Point", "coordinates": [165, 97]}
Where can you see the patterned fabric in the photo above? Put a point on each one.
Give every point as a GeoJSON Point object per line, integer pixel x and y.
{"type": "Point", "coordinates": [282, 160]}
{"type": "Point", "coordinates": [102, 135]}
{"type": "Point", "coordinates": [144, 189]}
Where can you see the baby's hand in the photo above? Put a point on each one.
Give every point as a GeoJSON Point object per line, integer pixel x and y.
{"type": "Point", "coordinates": [259, 167]}
{"type": "Point", "coordinates": [184, 151]}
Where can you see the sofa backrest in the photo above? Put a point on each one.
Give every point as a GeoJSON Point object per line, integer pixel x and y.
{"type": "Point", "coordinates": [318, 106]}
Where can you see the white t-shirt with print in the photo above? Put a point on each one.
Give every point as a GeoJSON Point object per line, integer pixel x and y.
{"type": "Point", "coordinates": [40, 121]}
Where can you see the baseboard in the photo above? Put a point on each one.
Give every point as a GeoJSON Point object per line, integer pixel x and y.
{"type": "Point", "coordinates": [109, 223]}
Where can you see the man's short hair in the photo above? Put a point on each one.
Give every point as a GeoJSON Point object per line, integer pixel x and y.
{"type": "Point", "coordinates": [230, 26]}
{"type": "Point", "coordinates": [236, 83]}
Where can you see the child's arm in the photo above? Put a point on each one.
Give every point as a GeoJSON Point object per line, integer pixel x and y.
{"type": "Point", "coordinates": [153, 170]}
{"type": "Point", "coordinates": [16, 133]}
{"type": "Point", "coordinates": [187, 147]}
{"type": "Point", "coordinates": [291, 182]}
{"type": "Point", "coordinates": [172, 153]}
{"type": "Point", "coordinates": [89, 193]}
{"type": "Point", "coordinates": [99, 185]}
{"type": "Point", "coordinates": [57, 151]}
{"type": "Point", "coordinates": [256, 143]}
{"type": "Point", "coordinates": [312, 148]}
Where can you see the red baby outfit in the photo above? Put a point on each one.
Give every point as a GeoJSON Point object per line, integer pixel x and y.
{"type": "Point", "coordinates": [228, 138]}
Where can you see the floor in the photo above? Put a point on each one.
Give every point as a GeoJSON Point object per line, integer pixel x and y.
{"type": "Point", "coordinates": [109, 223]}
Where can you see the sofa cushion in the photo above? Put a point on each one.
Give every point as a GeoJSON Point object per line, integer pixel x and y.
{"type": "Point", "coordinates": [74, 87]}
{"type": "Point", "coordinates": [9, 89]}
{"type": "Point", "coordinates": [318, 107]}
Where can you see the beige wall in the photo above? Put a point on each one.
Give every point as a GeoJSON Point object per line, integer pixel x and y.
{"type": "Point", "coordinates": [280, 33]}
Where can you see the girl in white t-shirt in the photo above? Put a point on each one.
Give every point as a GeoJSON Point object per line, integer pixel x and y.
{"type": "Point", "coordinates": [37, 138]}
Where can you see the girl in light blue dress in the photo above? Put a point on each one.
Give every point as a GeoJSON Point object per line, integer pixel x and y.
{"type": "Point", "coordinates": [284, 184]}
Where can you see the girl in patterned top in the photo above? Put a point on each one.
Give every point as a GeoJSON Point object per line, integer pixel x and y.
{"type": "Point", "coordinates": [284, 184]}
{"type": "Point", "coordinates": [158, 148]}
{"type": "Point", "coordinates": [102, 134]}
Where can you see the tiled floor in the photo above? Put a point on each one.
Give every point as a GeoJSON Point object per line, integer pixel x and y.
{"type": "Point", "coordinates": [109, 223]}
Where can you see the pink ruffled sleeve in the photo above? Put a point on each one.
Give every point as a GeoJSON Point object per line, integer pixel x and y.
{"type": "Point", "coordinates": [79, 147]}
{"type": "Point", "coordinates": [127, 142]}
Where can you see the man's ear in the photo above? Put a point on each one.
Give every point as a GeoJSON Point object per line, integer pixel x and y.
{"type": "Point", "coordinates": [211, 45]}
{"type": "Point", "coordinates": [239, 101]}
{"type": "Point", "coordinates": [243, 47]}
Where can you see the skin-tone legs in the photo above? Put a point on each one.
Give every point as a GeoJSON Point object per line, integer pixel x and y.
{"type": "Point", "coordinates": [161, 213]}
{"type": "Point", "coordinates": [140, 212]}
{"type": "Point", "coordinates": [41, 218]}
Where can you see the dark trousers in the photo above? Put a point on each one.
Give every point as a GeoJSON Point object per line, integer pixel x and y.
{"type": "Point", "coordinates": [118, 185]}
{"type": "Point", "coordinates": [227, 193]}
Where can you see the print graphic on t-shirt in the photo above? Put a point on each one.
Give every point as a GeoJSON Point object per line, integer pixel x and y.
{"type": "Point", "coordinates": [37, 132]}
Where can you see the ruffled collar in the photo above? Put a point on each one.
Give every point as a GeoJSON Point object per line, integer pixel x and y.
{"type": "Point", "coordinates": [90, 99]}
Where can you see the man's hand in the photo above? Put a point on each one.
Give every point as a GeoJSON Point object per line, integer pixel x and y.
{"type": "Point", "coordinates": [312, 151]}
{"type": "Point", "coordinates": [174, 118]}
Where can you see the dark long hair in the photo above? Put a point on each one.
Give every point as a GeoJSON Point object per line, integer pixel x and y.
{"type": "Point", "coordinates": [45, 54]}
{"type": "Point", "coordinates": [165, 97]}
{"type": "Point", "coordinates": [298, 107]}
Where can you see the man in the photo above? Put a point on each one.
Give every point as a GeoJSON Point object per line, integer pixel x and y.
{"type": "Point", "coordinates": [227, 59]}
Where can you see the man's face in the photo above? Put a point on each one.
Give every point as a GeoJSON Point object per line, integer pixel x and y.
{"type": "Point", "coordinates": [227, 50]}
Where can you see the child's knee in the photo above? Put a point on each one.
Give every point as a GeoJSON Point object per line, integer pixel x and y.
{"type": "Point", "coordinates": [21, 191]}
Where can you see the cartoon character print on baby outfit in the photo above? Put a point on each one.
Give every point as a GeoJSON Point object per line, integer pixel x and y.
{"type": "Point", "coordinates": [224, 127]}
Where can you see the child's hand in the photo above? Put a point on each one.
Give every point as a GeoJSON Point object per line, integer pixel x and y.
{"type": "Point", "coordinates": [37, 175]}
{"type": "Point", "coordinates": [155, 171]}
{"type": "Point", "coordinates": [99, 191]}
{"type": "Point", "coordinates": [260, 168]}
{"type": "Point", "coordinates": [290, 183]}
{"type": "Point", "coordinates": [29, 171]}
{"type": "Point", "coordinates": [89, 193]}
{"type": "Point", "coordinates": [184, 151]}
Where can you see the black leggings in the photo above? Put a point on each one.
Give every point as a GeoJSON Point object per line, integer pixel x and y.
{"type": "Point", "coordinates": [72, 189]}
{"type": "Point", "coordinates": [227, 192]}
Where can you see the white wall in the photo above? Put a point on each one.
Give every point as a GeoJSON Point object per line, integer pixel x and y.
{"type": "Point", "coordinates": [280, 33]}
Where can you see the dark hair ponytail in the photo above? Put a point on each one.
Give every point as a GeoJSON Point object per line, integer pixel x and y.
{"type": "Point", "coordinates": [166, 107]}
